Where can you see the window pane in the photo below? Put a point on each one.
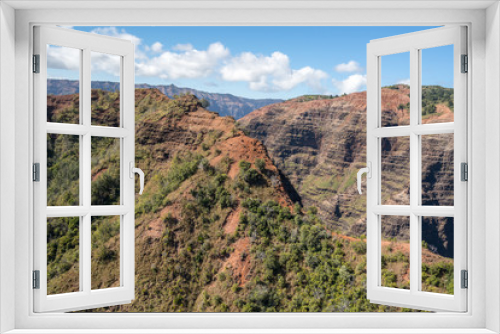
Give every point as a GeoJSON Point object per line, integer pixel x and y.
{"type": "Point", "coordinates": [105, 252]}
{"type": "Point", "coordinates": [395, 167]}
{"type": "Point", "coordinates": [437, 84]}
{"type": "Point", "coordinates": [105, 78]}
{"type": "Point", "coordinates": [395, 94]}
{"type": "Point", "coordinates": [63, 271]}
{"type": "Point", "coordinates": [63, 170]}
{"type": "Point", "coordinates": [437, 169]}
{"type": "Point", "coordinates": [105, 171]}
{"type": "Point", "coordinates": [63, 84]}
{"type": "Point", "coordinates": [395, 250]}
{"type": "Point", "coordinates": [437, 254]}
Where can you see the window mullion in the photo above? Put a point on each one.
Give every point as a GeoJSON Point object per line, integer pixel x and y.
{"type": "Point", "coordinates": [414, 168]}
{"type": "Point", "coordinates": [85, 244]}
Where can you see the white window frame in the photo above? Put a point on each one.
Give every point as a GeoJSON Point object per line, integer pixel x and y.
{"type": "Point", "coordinates": [413, 44]}
{"type": "Point", "coordinates": [483, 102]}
{"type": "Point", "coordinates": [86, 43]}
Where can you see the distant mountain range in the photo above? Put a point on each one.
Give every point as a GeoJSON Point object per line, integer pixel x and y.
{"type": "Point", "coordinates": [224, 104]}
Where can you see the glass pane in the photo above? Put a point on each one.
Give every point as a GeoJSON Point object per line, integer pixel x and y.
{"type": "Point", "coordinates": [395, 250]}
{"type": "Point", "coordinates": [105, 85]}
{"type": "Point", "coordinates": [63, 170]}
{"type": "Point", "coordinates": [105, 171]}
{"type": "Point", "coordinates": [395, 167]}
{"type": "Point", "coordinates": [437, 254]}
{"type": "Point", "coordinates": [395, 95]}
{"type": "Point", "coordinates": [63, 84]}
{"type": "Point", "coordinates": [437, 84]}
{"type": "Point", "coordinates": [63, 271]}
{"type": "Point", "coordinates": [105, 252]}
{"type": "Point", "coordinates": [437, 169]}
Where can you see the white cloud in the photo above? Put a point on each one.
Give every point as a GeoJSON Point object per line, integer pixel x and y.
{"type": "Point", "coordinates": [351, 66]}
{"type": "Point", "coordinates": [270, 73]}
{"type": "Point", "coordinates": [63, 58]}
{"type": "Point", "coordinates": [113, 32]}
{"type": "Point", "coordinates": [185, 64]}
{"type": "Point", "coordinates": [157, 47]}
{"type": "Point", "coordinates": [183, 47]}
{"type": "Point", "coordinates": [262, 73]}
{"type": "Point", "coordinates": [104, 63]}
{"type": "Point", "coordinates": [404, 82]}
{"type": "Point", "coordinates": [352, 84]}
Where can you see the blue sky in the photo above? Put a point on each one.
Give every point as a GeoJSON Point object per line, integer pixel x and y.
{"type": "Point", "coordinates": [264, 62]}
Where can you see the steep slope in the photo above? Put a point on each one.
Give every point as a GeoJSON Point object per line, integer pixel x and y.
{"type": "Point", "coordinates": [320, 145]}
{"type": "Point", "coordinates": [216, 230]}
{"type": "Point", "coordinates": [224, 104]}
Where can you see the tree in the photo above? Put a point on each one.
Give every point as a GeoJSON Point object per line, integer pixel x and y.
{"type": "Point", "coordinates": [260, 164]}
{"type": "Point", "coordinates": [205, 103]}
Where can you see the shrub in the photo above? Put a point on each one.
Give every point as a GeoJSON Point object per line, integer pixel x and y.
{"type": "Point", "coordinates": [260, 164]}
{"type": "Point", "coordinates": [252, 177]}
{"type": "Point", "coordinates": [204, 103]}
{"type": "Point", "coordinates": [359, 247]}
{"type": "Point", "coordinates": [245, 165]}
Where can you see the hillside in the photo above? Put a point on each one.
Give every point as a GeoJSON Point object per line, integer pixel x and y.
{"type": "Point", "coordinates": [216, 228]}
{"type": "Point", "coordinates": [224, 104]}
{"type": "Point", "coordinates": [319, 145]}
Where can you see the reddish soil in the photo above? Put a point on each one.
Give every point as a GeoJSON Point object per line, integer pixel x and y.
{"type": "Point", "coordinates": [156, 226]}
{"type": "Point", "coordinates": [249, 149]}
{"type": "Point", "coordinates": [242, 148]}
{"type": "Point", "coordinates": [428, 257]}
{"type": "Point", "coordinates": [99, 173]}
{"type": "Point", "coordinates": [155, 229]}
{"type": "Point", "coordinates": [232, 221]}
{"type": "Point", "coordinates": [240, 268]}
{"type": "Point", "coordinates": [443, 115]}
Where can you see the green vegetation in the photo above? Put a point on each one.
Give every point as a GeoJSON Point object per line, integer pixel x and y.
{"type": "Point", "coordinates": [63, 170]}
{"type": "Point", "coordinates": [205, 103]}
{"type": "Point", "coordinates": [434, 95]}
{"type": "Point", "coordinates": [260, 164]}
{"type": "Point", "coordinates": [307, 98]}
{"type": "Point", "coordinates": [438, 277]}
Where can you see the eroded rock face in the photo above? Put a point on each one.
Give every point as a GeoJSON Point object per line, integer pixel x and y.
{"type": "Point", "coordinates": [320, 145]}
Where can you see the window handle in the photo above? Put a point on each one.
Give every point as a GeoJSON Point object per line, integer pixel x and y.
{"type": "Point", "coordinates": [368, 171]}
{"type": "Point", "coordinates": [135, 170]}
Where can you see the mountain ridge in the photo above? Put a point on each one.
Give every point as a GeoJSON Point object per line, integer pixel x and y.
{"type": "Point", "coordinates": [224, 104]}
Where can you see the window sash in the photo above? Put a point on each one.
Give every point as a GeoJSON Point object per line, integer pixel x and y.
{"type": "Point", "coordinates": [86, 297]}
{"type": "Point", "coordinates": [413, 43]}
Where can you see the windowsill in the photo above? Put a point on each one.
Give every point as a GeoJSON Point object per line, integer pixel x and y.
{"type": "Point", "coordinates": [252, 331]}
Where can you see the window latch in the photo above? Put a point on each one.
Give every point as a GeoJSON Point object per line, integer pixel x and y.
{"type": "Point", "coordinates": [135, 170]}
{"type": "Point", "coordinates": [368, 171]}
